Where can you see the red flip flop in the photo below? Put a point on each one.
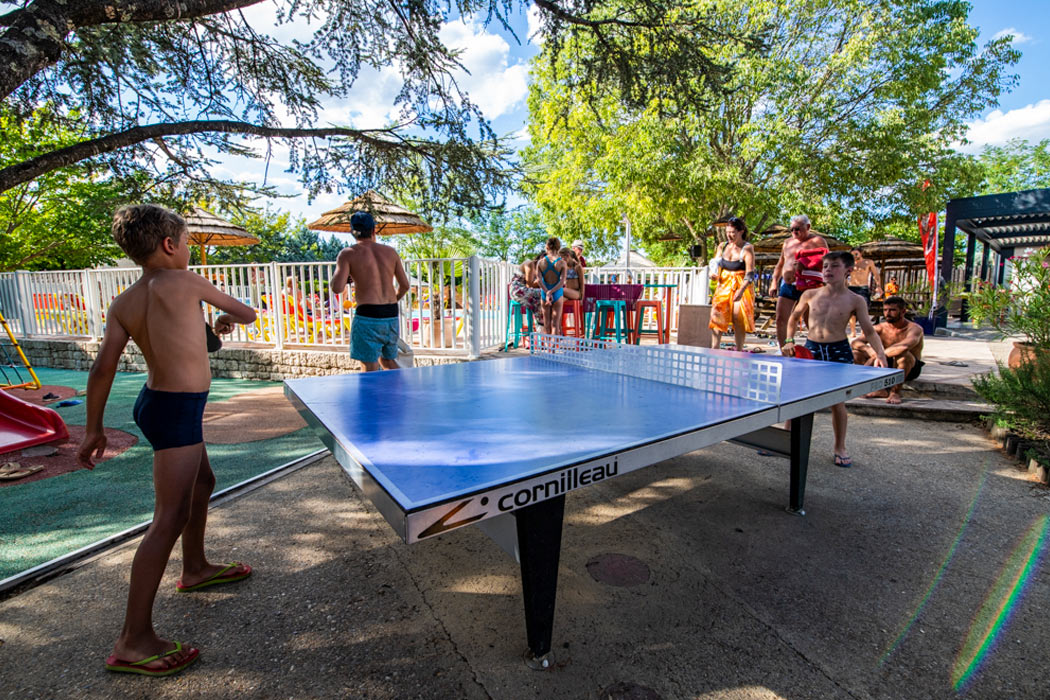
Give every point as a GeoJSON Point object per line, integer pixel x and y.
{"type": "Point", "coordinates": [113, 663]}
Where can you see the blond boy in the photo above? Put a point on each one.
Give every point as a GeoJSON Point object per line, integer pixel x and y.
{"type": "Point", "coordinates": [161, 312]}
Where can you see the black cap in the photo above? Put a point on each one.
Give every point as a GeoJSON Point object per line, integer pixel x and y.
{"type": "Point", "coordinates": [363, 222]}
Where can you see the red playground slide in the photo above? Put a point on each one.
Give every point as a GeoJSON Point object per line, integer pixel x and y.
{"type": "Point", "coordinates": [24, 424]}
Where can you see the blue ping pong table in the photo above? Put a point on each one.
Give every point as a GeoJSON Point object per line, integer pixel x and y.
{"type": "Point", "coordinates": [500, 443]}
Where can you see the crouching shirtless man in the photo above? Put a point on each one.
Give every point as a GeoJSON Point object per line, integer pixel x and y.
{"type": "Point", "coordinates": [902, 341]}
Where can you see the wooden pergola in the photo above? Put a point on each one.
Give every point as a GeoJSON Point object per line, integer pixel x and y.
{"type": "Point", "coordinates": [1002, 223]}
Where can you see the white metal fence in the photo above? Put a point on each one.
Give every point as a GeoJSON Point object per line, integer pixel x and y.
{"type": "Point", "coordinates": [454, 306]}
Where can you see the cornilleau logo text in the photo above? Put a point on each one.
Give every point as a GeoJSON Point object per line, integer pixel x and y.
{"type": "Point", "coordinates": [524, 495]}
{"type": "Point", "coordinates": [566, 481]}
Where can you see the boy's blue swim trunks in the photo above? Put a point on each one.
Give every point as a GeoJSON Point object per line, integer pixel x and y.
{"type": "Point", "coordinates": [170, 418]}
{"type": "Point", "coordinates": [839, 351]}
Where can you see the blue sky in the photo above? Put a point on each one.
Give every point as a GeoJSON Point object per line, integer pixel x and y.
{"type": "Point", "coordinates": [498, 84]}
{"type": "Point", "coordinates": [1024, 112]}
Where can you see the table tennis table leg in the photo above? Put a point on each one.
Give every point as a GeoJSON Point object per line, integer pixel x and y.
{"type": "Point", "coordinates": [539, 548]}
{"type": "Point", "coordinates": [801, 431]}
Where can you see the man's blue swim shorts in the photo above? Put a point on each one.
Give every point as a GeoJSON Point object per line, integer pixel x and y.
{"type": "Point", "coordinates": [788, 291]}
{"type": "Point", "coordinates": [372, 337]}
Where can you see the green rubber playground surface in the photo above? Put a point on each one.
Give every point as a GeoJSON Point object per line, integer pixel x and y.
{"type": "Point", "coordinates": [45, 519]}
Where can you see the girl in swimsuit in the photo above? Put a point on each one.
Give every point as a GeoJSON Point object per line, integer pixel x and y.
{"type": "Point", "coordinates": [734, 299]}
{"type": "Point", "coordinates": [552, 271]}
{"type": "Point", "coordinates": [574, 285]}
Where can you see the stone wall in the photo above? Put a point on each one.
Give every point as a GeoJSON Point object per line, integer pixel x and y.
{"type": "Point", "coordinates": [240, 362]}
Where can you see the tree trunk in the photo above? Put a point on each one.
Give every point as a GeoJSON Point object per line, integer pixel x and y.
{"type": "Point", "coordinates": [35, 36]}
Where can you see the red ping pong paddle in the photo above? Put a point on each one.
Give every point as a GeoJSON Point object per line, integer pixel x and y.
{"type": "Point", "coordinates": [803, 353]}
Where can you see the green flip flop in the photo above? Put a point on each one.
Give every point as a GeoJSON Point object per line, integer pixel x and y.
{"type": "Point", "coordinates": [113, 663]}
{"type": "Point", "coordinates": [219, 577]}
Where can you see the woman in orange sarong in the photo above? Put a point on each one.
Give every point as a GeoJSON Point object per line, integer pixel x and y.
{"type": "Point", "coordinates": [733, 303]}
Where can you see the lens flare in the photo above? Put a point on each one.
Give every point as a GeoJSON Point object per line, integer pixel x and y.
{"type": "Point", "coordinates": [999, 605]}
{"type": "Point", "coordinates": [940, 572]}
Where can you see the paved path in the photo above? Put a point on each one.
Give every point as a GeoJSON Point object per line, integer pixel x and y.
{"type": "Point", "coordinates": [883, 590]}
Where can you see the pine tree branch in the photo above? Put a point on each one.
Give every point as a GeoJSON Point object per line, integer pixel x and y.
{"type": "Point", "coordinates": [35, 36]}
{"type": "Point", "coordinates": [379, 139]}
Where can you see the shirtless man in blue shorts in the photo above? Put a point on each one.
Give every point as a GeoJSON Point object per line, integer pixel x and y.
{"type": "Point", "coordinates": [372, 268]}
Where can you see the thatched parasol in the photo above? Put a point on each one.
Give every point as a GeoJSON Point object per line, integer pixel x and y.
{"type": "Point", "coordinates": [905, 262]}
{"type": "Point", "coordinates": [390, 218]}
{"type": "Point", "coordinates": [891, 249]}
{"type": "Point", "coordinates": [774, 242]}
{"type": "Point", "coordinates": [767, 248]}
{"type": "Point", "coordinates": [206, 229]}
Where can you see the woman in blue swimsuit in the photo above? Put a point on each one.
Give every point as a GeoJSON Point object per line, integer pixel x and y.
{"type": "Point", "coordinates": [552, 273]}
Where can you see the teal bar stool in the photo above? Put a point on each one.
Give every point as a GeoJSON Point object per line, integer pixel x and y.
{"type": "Point", "coordinates": [515, 320]}
{"type": "Point", "coordinates": [619, 326]}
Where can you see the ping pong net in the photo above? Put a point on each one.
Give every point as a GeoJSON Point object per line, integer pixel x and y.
{"type": "Point", "coordinates": [741, 377]}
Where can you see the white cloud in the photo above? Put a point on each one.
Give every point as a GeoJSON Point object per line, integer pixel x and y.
{"type": "Point", "coordinates": [492, 83]}
{"type": "Point", "coordinates": [370, 104]}
{"type": "Point", "coordinates": [521, 137]}
{"type": "Point", "coordinates": [1031, 122]}
{"type": "Point", "coordinates": [535, 25]}
{"type": "Point", "coordinates": [1019, 36]}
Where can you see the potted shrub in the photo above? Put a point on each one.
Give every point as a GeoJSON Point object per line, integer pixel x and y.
{"type": "Point", "coordinates": [1022, 309]}
{"type": "Point", "coordinates": [1021, 397]}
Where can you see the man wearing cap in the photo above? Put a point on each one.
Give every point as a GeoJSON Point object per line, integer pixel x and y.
{"type": "Point", "coordinates": [577, 246]}
{"type": "Point", "coordinates": [372, 268]}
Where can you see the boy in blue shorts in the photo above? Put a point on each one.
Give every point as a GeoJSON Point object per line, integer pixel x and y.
{"type": "Point", "coordinates": [830, 308]}
{"type": "Point", "coordinates": [161, 312]}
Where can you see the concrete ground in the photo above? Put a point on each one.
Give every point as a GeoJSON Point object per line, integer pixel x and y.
{"type": "Point", "coordinates": [919, 573]}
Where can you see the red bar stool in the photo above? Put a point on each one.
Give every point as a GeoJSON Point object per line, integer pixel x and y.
{"type": "Point", "coordinates": [639, 317]}
{"type": "Point", "coordinates": [579, 325]}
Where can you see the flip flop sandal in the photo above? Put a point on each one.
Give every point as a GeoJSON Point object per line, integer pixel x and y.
{"type": "Point", "coordinates": [20, 473]}
{"type": "Point", "coordinates": [844, 462]}
{"type": "Point", "coordinates": [121, 666]}
{"type": "Point", "coordinates": [220, 576]}
{"type": "Point", "coordinates": [10, 467]}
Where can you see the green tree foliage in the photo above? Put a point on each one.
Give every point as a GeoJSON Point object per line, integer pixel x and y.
{"type": "Point", "coordinates": [1016, 166]}
{"type": "Point", "coordinates": [61, 220]}
{"type": "Point", "coordinates": [513, 235]}
{"type": "Point", "coordinates": [850, 107]}
{"type": "Point", "coordinates": [53, 221]}
{"type": "Point", "coordinates": [154, 82]}
{"type": "Point", "coordinates": [510, 235]}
